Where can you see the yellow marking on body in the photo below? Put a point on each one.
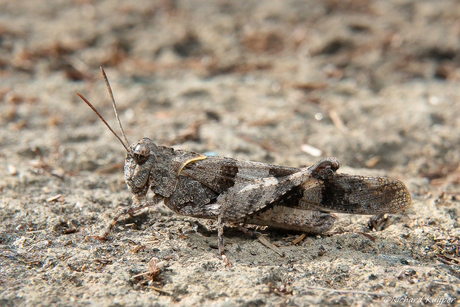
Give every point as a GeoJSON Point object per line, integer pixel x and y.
{"type": "Point", "coordinates": [197, 158]}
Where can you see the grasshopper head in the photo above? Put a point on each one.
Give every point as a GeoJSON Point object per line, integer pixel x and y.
{"type": "Point", "coordinates": [140, 156]}
{"type": "Point", "coordinates": [140, 159]}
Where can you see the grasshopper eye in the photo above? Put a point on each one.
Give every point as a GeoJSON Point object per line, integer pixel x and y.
{"type": "Point", "coordinates": [141, 153]}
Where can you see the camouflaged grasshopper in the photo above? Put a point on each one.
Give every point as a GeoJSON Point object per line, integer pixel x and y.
{"type": "Point", "coordinates": [239, 191]}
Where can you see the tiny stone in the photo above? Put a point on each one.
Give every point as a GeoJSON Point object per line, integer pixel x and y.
{"type": "Point", "coordinates": [12, 169]}
{"type": "Point", "coordinates": [344, 268]}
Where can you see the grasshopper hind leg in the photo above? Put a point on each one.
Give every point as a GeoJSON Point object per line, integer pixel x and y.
{"type": "Point", "coordinates": [309, 221]}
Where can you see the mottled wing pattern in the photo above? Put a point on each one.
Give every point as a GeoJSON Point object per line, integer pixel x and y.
{"type": "Point", "coordinates": [355, 194]}
{"type": "Point", "coordinates": [243, 200]}
{"type": "Point", "coordinates": [220, 173]}
{"type": "Point", "coordinates": [318, 188]}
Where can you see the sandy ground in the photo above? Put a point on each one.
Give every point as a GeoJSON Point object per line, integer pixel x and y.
{"type": "Point", "coordinates": [373, 83]}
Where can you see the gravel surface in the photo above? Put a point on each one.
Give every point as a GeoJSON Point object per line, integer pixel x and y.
{"type": "Point", "coordinates": [373, 83]}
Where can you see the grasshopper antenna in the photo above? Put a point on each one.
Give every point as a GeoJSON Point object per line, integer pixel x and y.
{"type": "Point", "coordinates": [114, 105]}
{"type": "Point", "coordinates": [103, 120]}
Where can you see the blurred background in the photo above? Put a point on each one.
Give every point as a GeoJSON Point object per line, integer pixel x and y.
{"type": "Point", "coordinates": [374, 83]}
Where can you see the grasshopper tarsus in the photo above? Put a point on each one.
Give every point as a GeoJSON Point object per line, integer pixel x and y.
{"type": "Point", "coordinates": [225, 260]}
{"type": "Point", "coordinates": [378, 222]}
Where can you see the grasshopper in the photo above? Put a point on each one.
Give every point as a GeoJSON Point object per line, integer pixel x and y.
{"type": "Point", "coordinates": [239, 191]}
